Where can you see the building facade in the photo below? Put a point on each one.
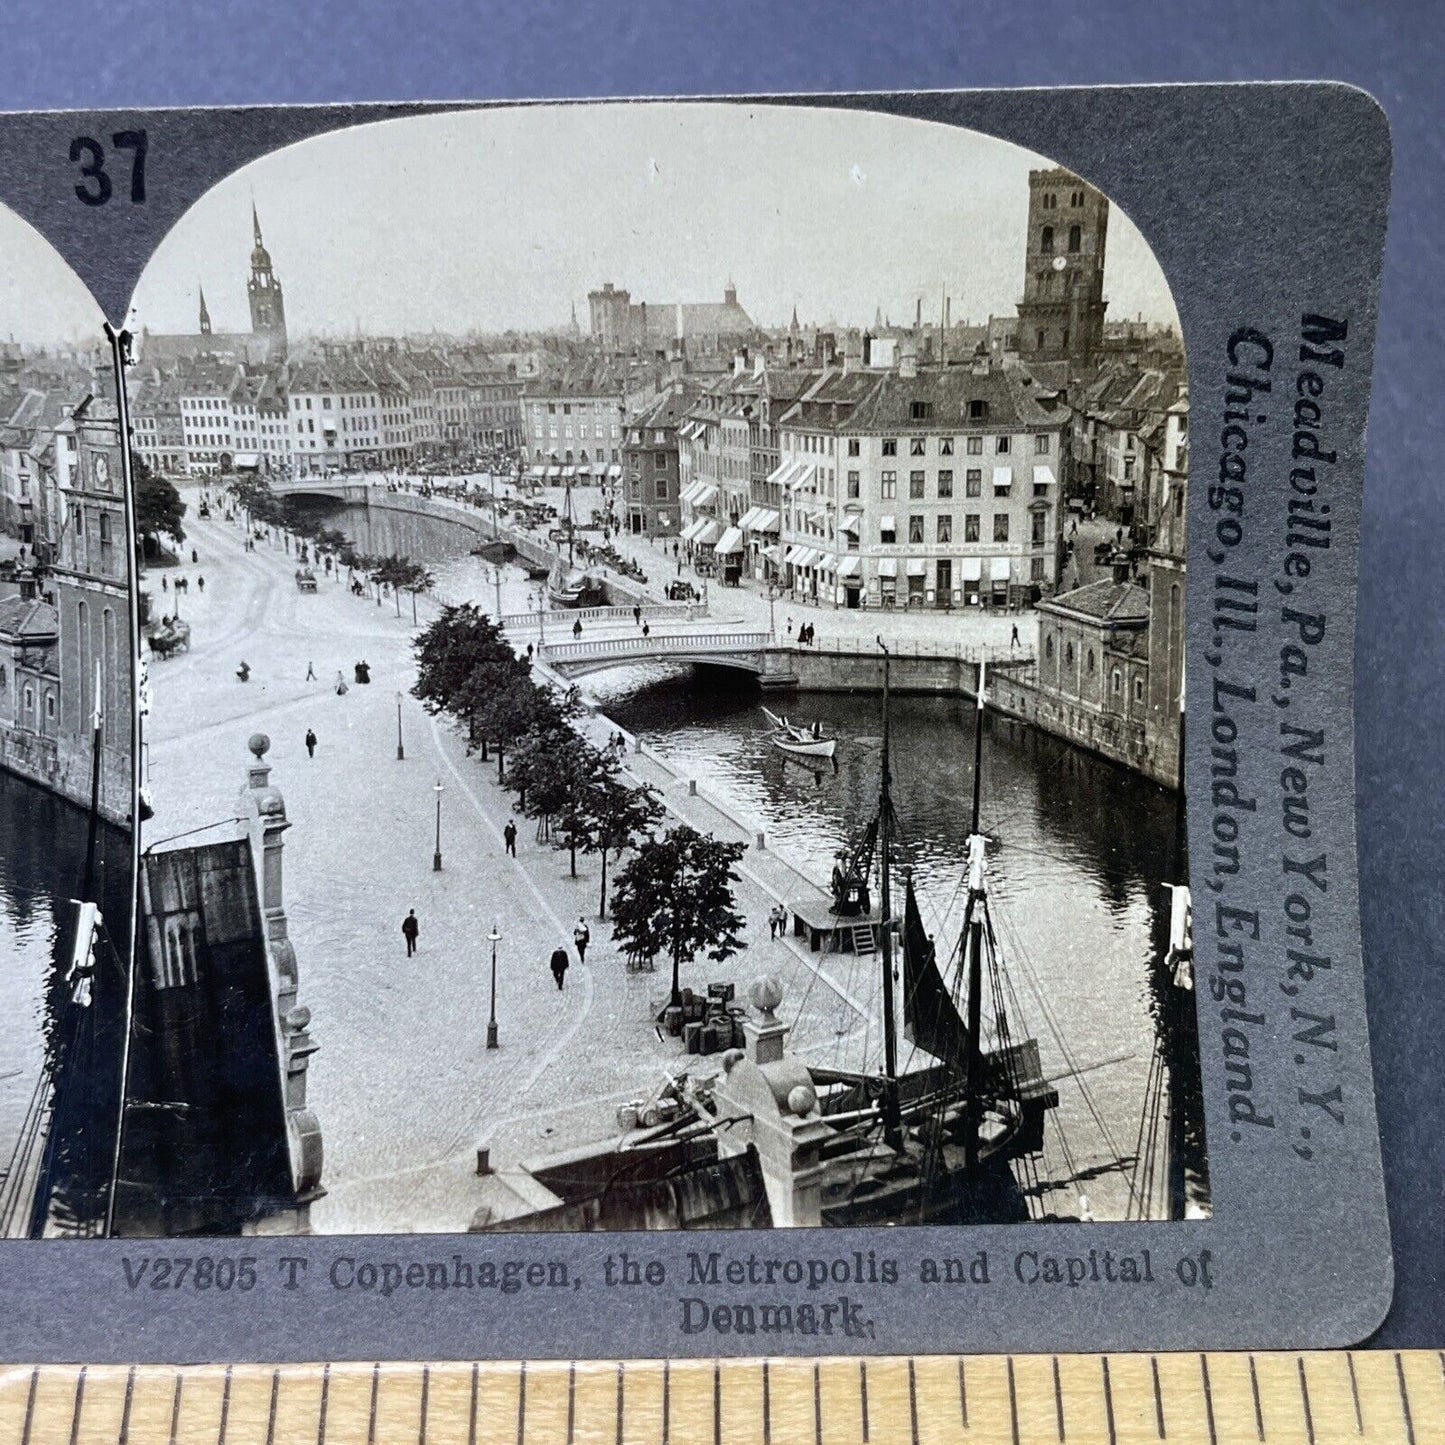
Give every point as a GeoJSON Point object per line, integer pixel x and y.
{"type": "Point", "coordinates": [1061, 315]}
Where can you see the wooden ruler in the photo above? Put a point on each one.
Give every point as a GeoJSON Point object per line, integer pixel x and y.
{"type": "Point", "coordinates": [1215, 1399]}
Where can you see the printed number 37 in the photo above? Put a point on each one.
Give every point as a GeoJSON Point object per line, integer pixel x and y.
{"type": "Point", "coordinates": [88, 153]}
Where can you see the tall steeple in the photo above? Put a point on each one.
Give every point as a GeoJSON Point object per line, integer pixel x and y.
{"type": "Point", "coordinates": [205, 315]}
{"type": "Point", "coordinates": [263, 291]}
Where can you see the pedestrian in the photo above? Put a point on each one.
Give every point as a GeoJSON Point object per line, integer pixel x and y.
{"type": "Point", "coordinates": [310, 743]}
{"type": "Point", "coordinates": [340, 684]}
{"type": "Point", "coordinates": [646, 629]}
{"type": "Point", "coordinates": [777, 921]}
{"type": "Point", "coordinates": [559, 965]}
{"type": "Point", "coordinates": [200, 583]}
{"type": "Point", "coordinates": [310, 672]}
{"type": "Point", "coordinates": [509, 838]}
{"type": "Point", "coordinates": [581, 936]}
{"type": "Point", "coordinates": [164, 587]}
{"type": "Point", "coordinates": [244, 671]}
{"type": "Point", "coordinates": [637, 614]}
{"type": "Point", "coordinates": [790, 627]}
{"type": "Point", "coordinates": [577, 628]}
{"type": "Point", "coordinates": [409, 930]}
{"type": "Point", "coordinates": [194, 558]}
{"type": "Point", "coordinates": [1013, 641]}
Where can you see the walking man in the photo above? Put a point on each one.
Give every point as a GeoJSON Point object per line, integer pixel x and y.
{"type": "Point", "coordinates": [559, 965]}
{"type": "Point", "coordinates": [637, 614]}
{"type": "Point", "coordinates": [577, 628]}
{"type": "Point", "coordinates": [310, 672]}
{"type": "Point", "coordinates": [581, 936]}
{"type": "Point", "coordinates": [310, 743]}
{"type": "Point", "coordinates": [1013, 641]}
{"type": "Point", "coordinates": [409, 930]}
{"type": "Point", "coordinates": [509, 838]}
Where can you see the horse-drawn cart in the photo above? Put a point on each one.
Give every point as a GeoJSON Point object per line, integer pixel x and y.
{"type": "Point", "coordinates": [169, 636]}
{"type": "Point", "coordinates": [305, 580]}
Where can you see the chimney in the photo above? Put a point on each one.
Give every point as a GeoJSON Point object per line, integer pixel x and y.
{"type": "Point", "coordinates": [908, 365]}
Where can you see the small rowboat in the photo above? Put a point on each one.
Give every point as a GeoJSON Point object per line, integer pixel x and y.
{"type": "Point", "coordinates": [798, 742]}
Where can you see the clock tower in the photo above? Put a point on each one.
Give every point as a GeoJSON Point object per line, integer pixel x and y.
{"type": "Point", "coordinates": [263, 291]}
{"type": "Point", "coordinates": [1061, 316]}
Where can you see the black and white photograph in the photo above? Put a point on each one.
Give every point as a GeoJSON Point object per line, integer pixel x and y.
{"type": "Point", "coordinates": [67, 690]}
{"type": "Point", "coordinates": [664, 633]}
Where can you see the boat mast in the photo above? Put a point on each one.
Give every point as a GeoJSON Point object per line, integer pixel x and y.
{"type": "Point", "coordinates": [1181, 997]}
{"type": "Point", "coordinates": [569, 524]}
{"type": "Point", "coordinates": [892, 1120]}
{"type": "Point", "coordinates": [974, 944]}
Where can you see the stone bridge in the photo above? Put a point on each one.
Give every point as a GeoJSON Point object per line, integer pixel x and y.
{"type": "Point", "coordinates": [754, 652]}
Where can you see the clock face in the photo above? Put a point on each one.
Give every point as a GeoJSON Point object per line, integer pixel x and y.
{"type": "Point", "coordinates": [1059, 263]}
{"type": "Point", "coordinates": [102, 471]}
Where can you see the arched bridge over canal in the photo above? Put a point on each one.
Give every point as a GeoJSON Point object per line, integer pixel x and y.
{"type": "Point", "coordinates": [753, 652]}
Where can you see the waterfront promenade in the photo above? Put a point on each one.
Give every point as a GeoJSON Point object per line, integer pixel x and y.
{"type": "Point", "coordinates": [402, 1085]}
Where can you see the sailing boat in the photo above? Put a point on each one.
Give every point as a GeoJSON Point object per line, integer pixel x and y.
{"type": "Point", "coordinates": [567, 586]}
{"type": "Point", "coordinates": [956, 1121]}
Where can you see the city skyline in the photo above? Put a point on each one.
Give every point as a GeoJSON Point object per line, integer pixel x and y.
{"type": "Point", "coordinates": [362, 229]}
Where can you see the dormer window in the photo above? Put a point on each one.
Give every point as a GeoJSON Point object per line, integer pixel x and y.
{"type": "Point", "coordinates": [920, 411]}
{"type": "Point", "coordinates": [977, 410]}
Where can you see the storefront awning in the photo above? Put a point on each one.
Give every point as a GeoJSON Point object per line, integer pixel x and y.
{"type": "Point", "coordinates": [692, 529]}
{"type": "Point", "coordinates": [537, 471]}
{"type": "Point", "coordinates": [849, 567]}
{"type": "Point", "coordinates": [747, 518]}
{"type": "Point", "coordinates": [850, 524]}
{"type": "Point", "coordinates": [554, 471]}
{"type": "Point", "coordinates": [614, 470]}
{"type": "Point", "coordinates": [247, 461]}
{"type": "Point", "coordinates": [706, 495]}
{"type": "Point", "coordinates": [1043, 475]}
{"type": "Point", "coordinates": [917, 567]}
{"type": "Point", "coordinates": [690, 491]}
{"type": "Point", "coordinates": [774, 555]}
{"type": "Point", "coordinates": [786, 472]}
{"type": "Point", "coordinates": [1003, 478]}
{"type": "Point", "coordinates": [999, 568]}
{"type": "Point", "coordinates": [973, 569]}
{"type": "Point", "coordinates": [767, 520]}
{"type": "Point", "coordinates": [709, 532]}
{"type": "Point", "coordinates": [569, 471]}
{"type": "Point", "coordinates": [731, 541]}
{"type": "Point", "coordinates": [888, 567]}
{"type": "Point", "coordinates": [888, 523]}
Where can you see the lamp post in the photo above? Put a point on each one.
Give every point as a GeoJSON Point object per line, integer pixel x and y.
{"type": "Point", "coordinates": [772, 616]}
{"type": "Point", "coordinates": [400, 750]}
{"type": "Point", "coordinates": [493, 937]}
{"type": "Point", "coordinates": [436, 860]}
{"type": "Point", "coordinates": [497, 583]}
{"type": "Point", "coordinates": [413, 606]}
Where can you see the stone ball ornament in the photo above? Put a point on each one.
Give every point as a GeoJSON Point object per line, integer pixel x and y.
{"type": "Point", "coordinates": [259, 744]}
{"type": "Point", "coordinates": [802, 1100]}
{"type": "Point", "coordinates": [765, 994]}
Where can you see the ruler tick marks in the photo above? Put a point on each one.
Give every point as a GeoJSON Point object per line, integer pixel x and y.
{"type": "Point", "coordinates": [716, 1404]}
{"type": "Point", "coordinates": [124, 1437]}
{"type": "Point", "coordinates": [1405, 1399]}
{"type": "Point", "coordinates": [1355, 1394]}
{"type": "Point", "coordinates": [863, 1388]}
{"type": "Point", "coordinates": [225, 1409]}
{"type": "Point", "coordinates": [271, 1409]}
{"type": "Point", "coordinates": [666, 1402]}
{"type": "Point", "coordinates": [817, 1405]}
{"type": "Point", "coordinates": [425, 1401]}
{"type": "Point", "coordinates": [1258, 1406]}
{"type": "Point", "coordinates": [1058, 1402]}
{"type": "Point", "coordinates": [30, 1405]}
{"type": "Point", "coordinates": [1208, 1399]}
{"type": "Point", "coordinates": [522, 1406]}
{"type": "Point", "coordinates": [371, 1422]}
{"type": "Point", "coordinates": [962, 1396]}
{"type": "Point", "coordinates": [912, 1400]}
{"type": "Point", "coordinates": [571, 1401]}
{"type": "Point", "coordinates": [472, 1425]}
{"type": "Point", "coordinates": [768, 1410]}
{"type": "Point", "coordinates": [77, 1406]}
{"type": "Point", "coordinates": [325, 1402]}
{"type": "Point", "coordinates": [620, 1389]}
{"type": "Point", "coordinates": [1013, 1403]}
{"type": "Point", "coordinates": [1158, 1396]}
{"type": "Point", "coordinates": [1109, 1402]}
{"type": "Point", "coordinates": [1304, 1390]}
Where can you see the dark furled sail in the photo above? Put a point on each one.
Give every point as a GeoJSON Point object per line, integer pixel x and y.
{"type": "Point", "coordinates": [930, 1019]}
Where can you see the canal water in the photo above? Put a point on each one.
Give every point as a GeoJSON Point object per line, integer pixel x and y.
{"type": "Point", "coordinates": [1076, 882]}
{"type": "Point", "coordinates": [47, 1046]}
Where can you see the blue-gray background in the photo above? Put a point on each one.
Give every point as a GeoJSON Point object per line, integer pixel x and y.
{"type": "Point", "coordinates": [176, 52]}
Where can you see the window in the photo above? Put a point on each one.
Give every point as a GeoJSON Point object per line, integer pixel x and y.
{"type": "Point", "coordinates": [945, 485]}
{"type": "Point", "coordinates": [1041, 340]}
{"type": "Point", "coordinates": [978, 410]}
{"type": "Point", "coordinates": [1076, 199]}
{"type": "Point", "coordinates": [1138, 689]}
{"type": "Point", "coordinates": [915, 447]}
{"type": "Point", "coordinates": [661, 489]}
{"type": "Point", "coordinates": [1041, 443]}
{"type": "Point", "coordinates": [1036, 569]}
{"type": "Point", "coordinates": [1046, 240]}
{"type": "Point", "coordinates": [1069, 653]}
{"type": "Point", "coordinates": [890, 486]}
{"type": "Point", "coordinates": [945, 527]}
{"type": "Point", "coordinates": [975, 446]}
{"type": "Point", "coordinates": [1076, 237]}
{"type": "Point", "coordinates": [915, 486]}
{"type": "Point", "coordinates": [1001, 446]}
{"type": "Point", "coordinates": [945, 446]}
{"type": "Point", "coordinates": [1000, 526]}
{"type": "Point", "coordinates": [973, 482]}
{"type": "Point", "coordinates": [852, 486]}
{"type": "Point", "coordinates": [970, 527]}
{"type": "Point", "coordinates": [915, 529]}
{"type": "Point", "coordinates": [1066, 336]}
{"type": "Point", "coordinates": [1051, 202]}
{"type": "Point", "coordinates": [1049, 645]}
{"type": "Point", "coordinates": [50, 705]}
{"type": "Point", "coordinates": [920, 410]}
{"type": "Point", "coordinates": [659, 461]}
{"type": "Point", "coordinates": [1091, 659]}
{"type": "Point", "coordinates": [890, 446]}
{"type": "Point", "coordinates": [887, 536]}
{"type": "Point", "coordinates": [852, 446]}
{"type": "Point", "coordinates": [566, 408]}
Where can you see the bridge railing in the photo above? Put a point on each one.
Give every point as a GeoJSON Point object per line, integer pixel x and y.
{"type": "Point", "coordinates": [688, 644]}
{"type": "Point", "coordinates": [651, 612]}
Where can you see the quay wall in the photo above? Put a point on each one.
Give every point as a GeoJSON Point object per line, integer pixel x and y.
{"type": "Point", "coordinates": [63, 766]}
{"type": "Point", "coordinates": [1012, 688]}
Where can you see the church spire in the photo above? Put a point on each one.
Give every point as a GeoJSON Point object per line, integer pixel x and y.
{"type": "Point", "coordinates": [205, 315]}
{"type": "Point", "coordinates": [255, 223]}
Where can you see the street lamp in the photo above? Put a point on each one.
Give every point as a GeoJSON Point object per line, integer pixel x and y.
{"type": "Point", "coordinates": [400, 750]}
{"type": "Point", "coordinates": [494, 937]}
{"type": "Point", "coordinates": [772, 618]}
{"type": "Point", "coordinates": [436, 860]}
